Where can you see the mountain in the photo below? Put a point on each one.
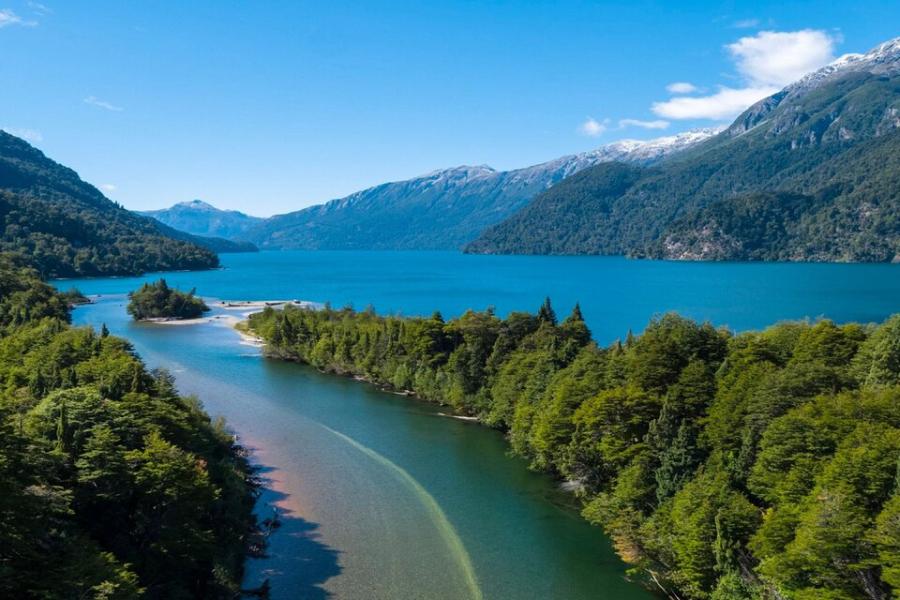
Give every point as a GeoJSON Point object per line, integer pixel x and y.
{"type": "Point", "coordinates": [444, 209]}
{"type": "Point", "coordinates": [66, 227]}
{"type": "Point", "coordinates": [200, 218]}
{"type": "Point", "coordinates": [810, 173]}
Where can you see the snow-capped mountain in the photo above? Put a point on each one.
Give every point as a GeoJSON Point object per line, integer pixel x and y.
{"type": "Point", "coordinates": [791, 103]}
{"type": "Point", "coordinates": [631, 151]}
{"type": "Point", "coordinates": [809, 173]}
{"type": "Point", "coordinates": [445, 209]}
{"type": "Point", "coordinates": [880, 60]}
{"type": "Point", "coordinates": [201, 218]}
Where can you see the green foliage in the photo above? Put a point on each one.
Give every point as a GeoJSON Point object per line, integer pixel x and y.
{"type": "Point", "coordinates": [158, 301]}
{"type": "Point", "coordinates": [24, 297]}
{"type": "Point", "coordinates": [756, 466]}
{"type": "Point", "coordinates": [67, 228]}
{"type": "Point", "coordinates": [111, 485]}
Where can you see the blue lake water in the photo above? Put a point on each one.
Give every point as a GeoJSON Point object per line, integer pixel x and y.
{"type": "Point", "coordinates": [615, 293]}
{"type": "Point", "coordinates": [383, 496]}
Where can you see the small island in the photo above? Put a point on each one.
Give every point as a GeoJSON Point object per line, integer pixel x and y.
{"type": "Point", "coordinates": [158, 301]}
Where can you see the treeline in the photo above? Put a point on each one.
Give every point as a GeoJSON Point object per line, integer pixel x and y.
{"type": "Point", "coordinates": [159, 301]}
{"type": "Point", "coordinates": [111, 484]}
{"type": "Point", "coordinates": [723, 466]}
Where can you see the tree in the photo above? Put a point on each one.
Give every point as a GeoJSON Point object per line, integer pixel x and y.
{"type": "Point", "coordinates": [878, 360]}
{"type": "Point", "coordinates": [546, 314]}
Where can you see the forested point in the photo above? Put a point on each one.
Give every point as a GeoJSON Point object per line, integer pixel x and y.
{"type": "Point", "coordinates": [760, 465]}
{"type": "Point", "coordinates": [111, 484]}
{"type": "Point", "coordinates": [158, 301]}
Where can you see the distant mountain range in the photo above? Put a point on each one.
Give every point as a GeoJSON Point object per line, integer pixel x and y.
{"type": "Point", "coordinates": [444, 209]}
{"type": "Point", "coordinates": [811, 173]}
{"type": "Point", "coordinates": [200, 218]}
{"type": "Point", "coordinates": [67, 227]}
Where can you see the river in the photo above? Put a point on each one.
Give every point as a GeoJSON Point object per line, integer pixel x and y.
{"type": "Point", "coordinates": [382, 496]}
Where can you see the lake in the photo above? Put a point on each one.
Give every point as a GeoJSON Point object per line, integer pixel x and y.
{"type": "Point", "coordinates": [382, 496]}
{"type": "Point", "coordinates": [616, 294]}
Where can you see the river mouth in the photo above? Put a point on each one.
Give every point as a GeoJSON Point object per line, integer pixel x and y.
{"type": "Point", "coordinates": [357, 529]}
{"type": "Point", "coordinates": [378, 495]}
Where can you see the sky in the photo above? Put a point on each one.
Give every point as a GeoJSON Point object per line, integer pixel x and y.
{"type": "Point", "coordinates": [268, 107]}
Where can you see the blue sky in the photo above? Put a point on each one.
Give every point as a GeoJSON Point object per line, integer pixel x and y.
{"type": "Point", "coordinates": [268, 107]}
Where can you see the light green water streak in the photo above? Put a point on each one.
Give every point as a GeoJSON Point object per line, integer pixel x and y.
{"type": "Point", "coordinates": [448, 533]}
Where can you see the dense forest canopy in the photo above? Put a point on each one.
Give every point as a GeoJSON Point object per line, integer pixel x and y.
{"type": "Point", "coordinates": [158, 301]}
{"type": "Point", "coordinates": [66, 227]}
{"type": "Point", "coordinates": [723, 466]}
{"type": "Point", "coordinates": [111, 484]}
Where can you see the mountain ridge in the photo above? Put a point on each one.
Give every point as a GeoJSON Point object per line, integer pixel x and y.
{"type": "Point", "coordinates": [442, 209]}
{"type": "Point", "coordinates": [200, 218]}
{"type": "Point", "coordinates": [826, 137]}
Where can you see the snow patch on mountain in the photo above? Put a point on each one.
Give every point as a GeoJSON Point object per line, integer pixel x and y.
{"type": "Point", "coordinates": [196, 205]}
{"type": "Point", "coordinates": [630, 151]}
{"type": "Point", "coordinates": [883, 59]}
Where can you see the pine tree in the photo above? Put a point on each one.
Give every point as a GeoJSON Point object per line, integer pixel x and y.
{"type": "Point", "coordinates": [575, 329]}
{"type": "Point", "coordinates": [576, 316]}
{"type": "Point", "coordinates": [546, 313]}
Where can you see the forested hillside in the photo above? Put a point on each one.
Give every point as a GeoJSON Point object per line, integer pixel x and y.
{"type": "Point", "coordinates": [810, 173]}
{"type": "Point", "coordinates": [723, 466]}
{"type": "Point", "coordinates": [67, 227]}
{"type": "Point", "coordinates": [111, 484]}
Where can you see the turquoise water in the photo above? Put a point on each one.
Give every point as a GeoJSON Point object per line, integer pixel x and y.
{"type": "Point", "coordinates": [615, 293]}
{"type": "Point", "coordinates": [383, 496]}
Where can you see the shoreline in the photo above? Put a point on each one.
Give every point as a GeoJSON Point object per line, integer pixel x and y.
{"type": "Point", "coordinates": [248, 307]}
{"type": "Point", "coordinates": [381, 386]}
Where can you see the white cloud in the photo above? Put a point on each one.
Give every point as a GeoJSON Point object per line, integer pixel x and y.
{"type": "Point", "coordinates": [95, 101]}
{"type": "Point", "coordinates": [681, 87]}
{"type": "Point", "coordinates": [657, 124]}
{"type": "Point", "coordinates": [781, 57]}
{"type": "Point", "coordinates": [108, 187]}
{"type": "Point", "coordinates": [30, 135]}
{"type": "Point", "coordinates": [8, 17]}
{"type": "Point", "coordinates": [39, 8]}
{"type": "Point", "coordinates": [724, 104]}
{"type": "Point", "coordinates": [766, 62]}
{"type": "Point", "coordinates": [592, 127]}
{"type": "Point", "coordinates": [746, 23]}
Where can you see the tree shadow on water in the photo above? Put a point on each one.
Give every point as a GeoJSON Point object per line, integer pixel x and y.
{"type": "Point", "coordinates": [296, 563]}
